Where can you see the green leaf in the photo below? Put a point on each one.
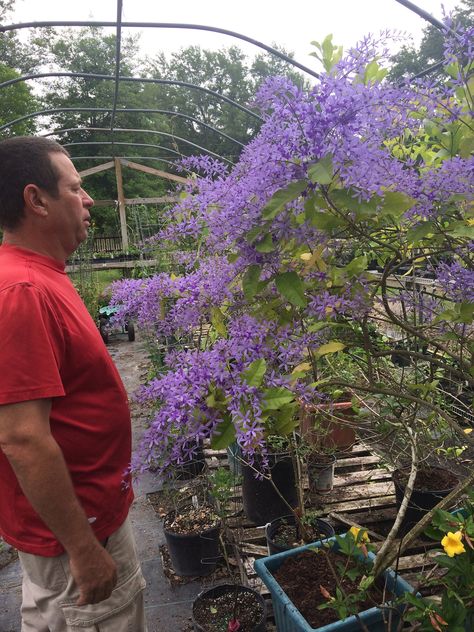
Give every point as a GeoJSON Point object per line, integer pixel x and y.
{"type": "Point", "coordinates": [280, 199]}
{"type": "Point", "coordinates": [345, 199]}
{"type": "Point", "coordinates": [371, 71]}
{"type": "Point", "coordinates": [291, 287]}
{"type": "Point", "coordinates": [266, 244]}
{"type": "Point", "coordinates": [466, 312]}
{"type": "Point", "coordinates": [254, 374]}
{"type": "Point", "coordinates": [356, 266]}
{"type": "Point", "coordinates": [417, 233]}
{"type": "Point", "coordinates": [396, 203]}
{"type": "Point", "coordinates": [250, 281]}
{"type": "Point", "coordinates": [460, 229]}
{"type": "Point", "coordinates": [466, 146]}
{"type": "Point", "coordinates": [330, 347]}
{"type": "Point", "coordinates": [218, 321]}
{"type": "Point", "coordinates": [276, 397]}
{"type": "Point", "coordinates": [252, 235]}
{"type": "Point", "coordinates": [224, 434]}
{"type": "Point", "coordinates": [322, 172]}
{"type": "Point", "coordinates": [284, 420]}
{"type": "Point", "coordinates": [325, 221]}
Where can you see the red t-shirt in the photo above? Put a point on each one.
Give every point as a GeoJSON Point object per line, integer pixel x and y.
{"type": "Point", "coordinates": [51, 348]}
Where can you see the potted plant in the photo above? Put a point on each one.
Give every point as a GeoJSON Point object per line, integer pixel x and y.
{"type": "Point", "coordinates": [452, 607]}
{"type": "Point", "coordinates": [289, 532]}
{"type": "Point", "coordinates": [320, 468]}
{"type": "Point", "coordinates": [192, 536]}
{"type": "Point", "coordinates": [357, 165]}
{"type": "Point", "coordinates": [431, 484]}
{"type": "Point", "coordinates": [330, 579]}
{"type": "Point", "coordinates": [229, 607]}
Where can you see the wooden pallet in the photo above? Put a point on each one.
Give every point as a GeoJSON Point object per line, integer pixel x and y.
{"type": "Point", "coordinates": [363, 495]}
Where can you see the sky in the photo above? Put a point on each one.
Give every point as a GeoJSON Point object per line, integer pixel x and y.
{"type": "Point", "coordinates": [292, 24]}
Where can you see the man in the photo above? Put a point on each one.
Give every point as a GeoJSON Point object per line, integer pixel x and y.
{"type": "Point", "coordinates": [65, 432]}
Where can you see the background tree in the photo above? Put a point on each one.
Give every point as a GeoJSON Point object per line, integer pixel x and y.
{"type": "Point", "coordinates": [16, 100]}
{"type": "Point", "coordinates": [411, 60]}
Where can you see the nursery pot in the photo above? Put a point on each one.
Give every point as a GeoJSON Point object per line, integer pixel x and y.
{"type": "Point", "coordinates": [262, 502]}
{"type": "Point", "coordinates": [193, 553]}
{"type": "Point", "coordinates": [321, 472]}
{"type": "Point", "coordinates": [216, 605]}
{"type": "Point", "coordinates": [423, 499]}
{"type": "Point", "coordinates": [334, 434]}
{"type": "Point", "coordinates": [275, 546]}
{"type": "Point", "coordinates": [288, 618]}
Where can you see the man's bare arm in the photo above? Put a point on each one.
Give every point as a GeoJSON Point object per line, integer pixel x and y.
{"type": "Point", "coordinates": [39, 466]}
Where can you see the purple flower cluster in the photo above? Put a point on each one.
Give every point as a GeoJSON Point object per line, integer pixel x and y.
{"type": "Point", "coordinates": [456, 281]}
{"type": "Point", "coordinates": [376, 136]}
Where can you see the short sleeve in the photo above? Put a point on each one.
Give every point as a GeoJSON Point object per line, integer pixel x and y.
{"type": "Point", "coordinates": [32, 346]}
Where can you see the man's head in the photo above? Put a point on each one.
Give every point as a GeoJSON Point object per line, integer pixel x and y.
{"type": "Point", "coordinates": [25, 160]}
{"type": "Point", "coordinates": [43, 206]}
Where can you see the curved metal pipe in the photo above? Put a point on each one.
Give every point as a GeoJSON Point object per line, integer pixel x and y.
{"type": "Point", "coordinates": [118, 46]}
{"type": "Point", "coordinates": [169, 25]}
{"type": "Point", "coordinates": [136, 131]}
{"type": "Point", "coordinates": [106, 142]}
{"type": "Point", "coordinates": [166, 82]}
{"type": "Point", "coordinates": [128, 110]}
{"type": "Point", "coordinates": [424, 14]}
{"type": "Point", "coordinates": [169, 162]}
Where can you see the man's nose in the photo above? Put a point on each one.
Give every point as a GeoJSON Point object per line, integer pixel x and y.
{"type": "Point", "coordinates": [88, 201]}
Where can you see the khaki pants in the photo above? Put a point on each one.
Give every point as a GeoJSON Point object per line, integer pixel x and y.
{"type": "Point", "coordinates": [50, 593]}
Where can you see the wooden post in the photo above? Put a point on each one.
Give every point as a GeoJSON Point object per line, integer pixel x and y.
{"type": "Point", "coordinates": [121, 201]}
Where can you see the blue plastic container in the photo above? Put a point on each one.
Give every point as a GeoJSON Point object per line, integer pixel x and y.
{"type": "Point", "coordinates": [289, 619]}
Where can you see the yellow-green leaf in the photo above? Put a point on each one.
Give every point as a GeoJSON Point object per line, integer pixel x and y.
{"type": "Point", "coordinates": [330, 347]}
{"type": "Point", "coordinates": [218, 321]}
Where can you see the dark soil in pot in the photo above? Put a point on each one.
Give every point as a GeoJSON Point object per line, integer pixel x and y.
{"type": "Point", "coordinates": [428, 479]}
{"type": "Point", "coordinates": [283, 533]}
{"type": "Point", "coordinates": [191, 520]}
{"type": "Point", "coordinates": [301, 577]}
{"type": "Point", "coordinates": [431, 485]}
{"type": "Point", "coordinates": [214, 608]}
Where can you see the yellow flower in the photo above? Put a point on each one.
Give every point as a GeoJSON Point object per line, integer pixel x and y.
{"type": "Point", "coordinates": [306, 256]}
{"type": "Point", "coordinates": [363, 537]}
{"type": "Point", "coordinates": [452, 543]}
{"type": "Point", "coordinates": [467, 430]}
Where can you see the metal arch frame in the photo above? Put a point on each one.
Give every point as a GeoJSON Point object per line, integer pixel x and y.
{"type": "Point", "coordinates": [166, 25]}
{"type": "Point", "coordinates": [120, 110]}
{"type": "Point", "coordinates": [118, 78]}
{"type": "Point", "coordinates": [157, 158]}
{"type": "Point", "coordinates": [167, 82]}
{"type": "Point", "coordinates": [119, 24]}
{"type": "Point", "coordinates": [139, 131]}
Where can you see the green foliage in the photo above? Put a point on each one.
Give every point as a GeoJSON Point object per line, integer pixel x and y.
{"type": "Point", "coordinates": [453, 610]}
{"type": "Point", "coordinates": [16, 101]}
{"type": "Point", "coordinates": [222, 485]}
{"type": "Point", "coordinates": [411, 61]}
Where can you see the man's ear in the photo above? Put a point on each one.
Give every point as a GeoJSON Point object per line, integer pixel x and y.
{"type": "Point", "coordinates": [35, 200]}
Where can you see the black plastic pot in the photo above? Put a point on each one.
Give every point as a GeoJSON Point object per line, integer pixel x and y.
{"type": "Point", "coordinates": [325, 529]}
{"type": "Point", "coordinates": [217, 591]}
{"type": "Point", "coordinates": [193, 554]}
{"type": "Point", "coordinates": [421, 501]}
{"type": "Point", "coordinates": [262, 502]}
